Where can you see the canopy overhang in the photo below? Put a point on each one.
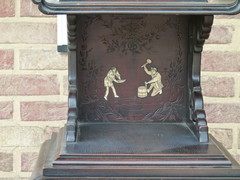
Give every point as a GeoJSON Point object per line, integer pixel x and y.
{"type": "Point", "coordinates": [203, 7]}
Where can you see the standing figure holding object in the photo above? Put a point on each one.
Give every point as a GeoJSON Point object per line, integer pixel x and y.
{"type": "Point", "coordinates": [109, 79]}
{"type": "Point", "coordinates": [155, 83]}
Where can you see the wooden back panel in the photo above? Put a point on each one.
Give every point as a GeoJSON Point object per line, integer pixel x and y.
{"type": "Point", "coordinates": [126, 42]}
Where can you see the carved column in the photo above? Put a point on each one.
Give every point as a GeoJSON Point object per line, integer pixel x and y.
{"type": "Point", "coordinates": [72, 78]}
{"type": "Point", "coordinates": [200, 29]}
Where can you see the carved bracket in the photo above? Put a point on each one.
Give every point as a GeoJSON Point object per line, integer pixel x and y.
{"type": "Point", "coordinates": [199, 32]}
{"type": "Point", "coordinates": [72, 78]}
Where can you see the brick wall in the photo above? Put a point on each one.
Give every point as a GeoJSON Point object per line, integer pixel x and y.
{"type": "Point", "coordinates": [221, 82]}
{"type": "Point", "coordinates": [33, 84]}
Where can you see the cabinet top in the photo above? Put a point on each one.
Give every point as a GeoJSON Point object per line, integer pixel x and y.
{"type": "Point", "coordinates": [139, 6]}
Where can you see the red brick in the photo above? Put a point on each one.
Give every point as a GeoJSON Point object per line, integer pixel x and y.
{"type": "Point", "coordinates": [237, 158]}
{"type": "Point", "coordinates": [220, 35]}
{"type": "Point", "coordinates": [6, 59]}
{"type": "Point", "coordinates": [7, 8]}
{"type": "Point", "coordinates": [221, 61]}
{"type": "Point", "coordinates": [239, 141]}
{"type": "Point", "coordinates": [28, 160]}
{"type": "Point", "coordinates": [43, 111]}
{"type": "Point", "coordinates": [223, 113]}
{"type": "Point", "coordinates": [218, 86]}
{"type": "Point", "coordinates": [6, 110]}
{"type": "Point", "coordinates": [25, 32]}
{"type": "Point", "coordinates": [24, 136]}
{"type": "Point", "coordinates": [29, 9]}
{"type": "Point", "coordinates": [42, 59]}
{"type": "Point", "coordinates": [237, 16]}
{"type": "Point", "coordinates": [6, 162]}
{"type": "Point", "coordinates": [224, 136]}
{"type": "Point", "coordinates": [28, 85]}
{"type": "Point", "coordinates": [65, 85]}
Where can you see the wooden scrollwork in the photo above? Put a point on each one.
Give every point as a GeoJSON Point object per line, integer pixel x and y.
{"type": "Point", "coordinates": [199, 32]}
{"type": "Point", "coordinates": [72, 78]}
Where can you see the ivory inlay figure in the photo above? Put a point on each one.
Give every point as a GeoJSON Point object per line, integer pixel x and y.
{"type": "Point", "coordinates": [155, 83]}
{"type": "Point", "coordinates": [109, 79]}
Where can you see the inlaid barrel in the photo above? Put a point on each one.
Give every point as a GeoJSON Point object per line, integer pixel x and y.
{"type": "Point", "coordinates": [142, 91]}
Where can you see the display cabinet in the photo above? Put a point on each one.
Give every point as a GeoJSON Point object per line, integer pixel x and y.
{"type": "Point", "coordinates": [135, 106]}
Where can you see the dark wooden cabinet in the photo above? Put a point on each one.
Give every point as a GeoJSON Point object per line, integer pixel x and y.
{"type": "Point", "coordinates": [135, 103]}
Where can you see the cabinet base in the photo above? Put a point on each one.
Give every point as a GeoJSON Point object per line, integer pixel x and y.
{"type": "Point", "coordinates": [134, 151]}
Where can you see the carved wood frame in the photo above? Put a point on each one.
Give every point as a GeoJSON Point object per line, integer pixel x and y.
{"type": "Point", "coordinates": [199, 30]}
{"type": "Point", "coordinates": [72, 79]}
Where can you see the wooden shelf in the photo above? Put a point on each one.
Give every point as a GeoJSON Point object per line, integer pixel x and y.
{"type": "Point", "coordinates": [122, 155]}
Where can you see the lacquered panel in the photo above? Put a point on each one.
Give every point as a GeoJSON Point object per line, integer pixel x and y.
{"type": "Point", "coordinates": [132, 47]}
